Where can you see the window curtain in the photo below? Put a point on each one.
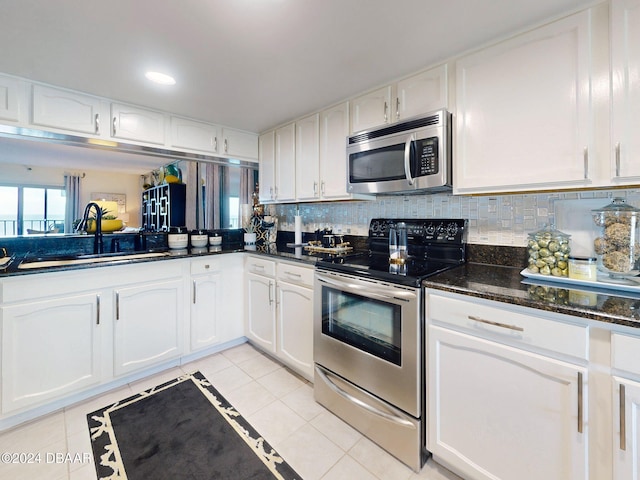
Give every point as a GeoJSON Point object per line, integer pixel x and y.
{"type": "Point", "coordinates": [72, 205]}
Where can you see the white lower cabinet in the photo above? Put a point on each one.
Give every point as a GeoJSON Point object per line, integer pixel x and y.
{"type": "Point", "coordinates": [501, 402]}
{"type": "Point", "coordinates": [148, 325]}
{"type": "Point", "coordinates": [216, 298]}
{"type": "Point", "coordinates": [280, 311]}
{"type": "Point", "coordinates": [626, 406]}
{"type": "Point", "coordinates": [50, 348]}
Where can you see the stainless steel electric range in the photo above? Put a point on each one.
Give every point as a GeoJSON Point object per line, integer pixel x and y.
{"type": "Point", "coordinates": [369, 330]}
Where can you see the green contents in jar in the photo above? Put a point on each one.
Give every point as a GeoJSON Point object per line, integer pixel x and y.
{"type": "Point", "coordinates": [549, 251]}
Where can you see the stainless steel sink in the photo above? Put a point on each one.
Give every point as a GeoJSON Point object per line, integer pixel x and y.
{"type": "Point", "coordinates": [62, 261]}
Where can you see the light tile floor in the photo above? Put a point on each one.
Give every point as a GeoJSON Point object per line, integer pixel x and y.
{"type": "Point", "coordinates": [279, 404]}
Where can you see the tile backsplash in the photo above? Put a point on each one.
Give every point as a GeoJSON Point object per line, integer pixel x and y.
{"type": "Point", "coordinates": [493, 220]}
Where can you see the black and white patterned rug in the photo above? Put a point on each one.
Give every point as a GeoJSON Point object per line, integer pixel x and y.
{"type": "Point", "coordinates": [182, 429]}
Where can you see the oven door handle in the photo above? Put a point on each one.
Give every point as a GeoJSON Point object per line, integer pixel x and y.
{"type": "Point", "coordinates": [389, 294]}
{"type": "Point", "coordinates": [396, 417]}
{"type": "Point", "coordinates": [407, 158]}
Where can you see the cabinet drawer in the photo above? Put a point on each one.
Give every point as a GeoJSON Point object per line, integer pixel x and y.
{"type": "Point", "coordinates": [205, 265]}
{"type": "Point", "coordinates": [489, 320]}
{"type": "Point", "coordinates": [261, 266]}
{"type": "Point", "coordinates": [288, 272]}
{"type": "Point", "coordinates": [624, 352]}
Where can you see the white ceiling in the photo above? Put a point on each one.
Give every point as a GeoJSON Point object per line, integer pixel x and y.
{"type": "Point", "coordinates": [248, 64]}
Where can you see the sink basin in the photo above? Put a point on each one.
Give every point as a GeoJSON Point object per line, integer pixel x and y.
{"type": "Point", "coordinates": [62, 261]}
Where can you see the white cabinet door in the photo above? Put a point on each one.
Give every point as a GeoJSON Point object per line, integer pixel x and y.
{"type": "Point", "coordinates": [308, 158]}
{"type": "Point", "coordinates": [267, 170]}
{"type": "Point", "coordinates": [371, 110]}
{"type": "Point", "coordinates": [148, 324]}
{"type": "Point", "coordinates": [12, 99]}
{"type": "Point", "coordinates": [334, 129]}
{"type": "Point", "coordinates": [67, 111]}
{"type": "Point", "coordinates": [261, 311]}
{"type": "Point", "coordinates": [524, 112]}
{"type": "Point", "coordinates": [497, 412]}
{"type": "Point", "coordinates": [626, 445]}
{"type": "Point", "coordinates": [237, 143]}
{"type": "Point", "coordinates": [285, 148]}
{"type": "Point", "coordinates": [625, 63]}
{"type": "Point", "coordinates": [421, 93]}
{"type": "Point", "coordinates": [193, 135]}
{"type": "Point", "coordinates": [50, 348]}
{"type": "Point", "coordinates": [206, 300]}
{"type": "Point", "coordinates": [138, 124]}
{"type": "Point", "coordinates": [295, 327]}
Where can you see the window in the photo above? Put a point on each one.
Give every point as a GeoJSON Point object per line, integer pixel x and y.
{"type": "Point", "coordinates": [31, 209]}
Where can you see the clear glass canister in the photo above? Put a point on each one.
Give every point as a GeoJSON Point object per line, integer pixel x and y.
{"type": "Point", "coordinates": [548, 251]}
{"type": "Point", "coordinates": [616, 244]}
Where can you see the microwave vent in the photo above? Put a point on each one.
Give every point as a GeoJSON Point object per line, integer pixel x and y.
{"type": "Point", "coordinates": [434, 119]}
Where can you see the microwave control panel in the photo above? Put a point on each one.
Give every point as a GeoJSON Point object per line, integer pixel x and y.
{"type": "Point", "coordinates": [426, 158]}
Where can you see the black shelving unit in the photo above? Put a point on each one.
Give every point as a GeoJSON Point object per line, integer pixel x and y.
{"type": "Point", "coordinates": [164, 207]}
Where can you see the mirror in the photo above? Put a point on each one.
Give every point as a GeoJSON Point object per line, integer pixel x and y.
{"type": "Point", "coordinates": [117, 176]}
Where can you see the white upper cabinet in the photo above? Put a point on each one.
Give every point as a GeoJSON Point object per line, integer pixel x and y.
{"type": "Point", "coordinates": [137, 124]}
{"type": "Point", "coordinates": [65, 110]}
{"type": "Point", "coordinates": [421, 93]}
{"type": "Point", "coordinates": [625, 64]}
{"type": "Point", "coordinates": [285, 148]}
{"type": "Point", "coordinates": [267, 170]}
{"type": "Point", "coordinates": [308, 158]}
{"type": "Point", "coordinates": [371, 109]}
{"type": "Point", "coordinates": [334, 129]}
{"type": "Point", "coordinates": [238, 143]}
{"type": "Point", "coordinates": [11, 99]}
{"type": "Point", "coordinates": [409, 97]}
{"type": "Point", "coordinates": [193, 135]}
{"type": "Point", "coordinates": [524, 111]}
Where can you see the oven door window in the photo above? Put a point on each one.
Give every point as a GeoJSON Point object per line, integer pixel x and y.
{"type": "Point", "coordinates": [369, 325]}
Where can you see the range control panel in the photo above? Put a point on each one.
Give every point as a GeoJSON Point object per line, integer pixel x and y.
{"type": "Point", "coordinates": [441, 230]}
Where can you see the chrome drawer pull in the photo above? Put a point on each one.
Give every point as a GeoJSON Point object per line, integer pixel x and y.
{"type": "Point", "coordinates": [98, 309]}
{"type": "Point", "coordinates": [495, 324]}
{"type": "Point", "coordinates": [580, 406]}
{"type": "Point", "coordinates": [623, 415]}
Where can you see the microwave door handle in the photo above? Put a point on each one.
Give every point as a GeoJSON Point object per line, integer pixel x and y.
{"type": "Point", "coordinates": [407, 158]}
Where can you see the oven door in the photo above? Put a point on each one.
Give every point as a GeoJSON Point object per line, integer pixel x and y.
{"type": "Point", "coordinates": [369, 333]}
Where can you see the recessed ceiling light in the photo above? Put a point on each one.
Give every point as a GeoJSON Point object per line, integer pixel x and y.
{"type": "Point", "coordinates": [161, 78]}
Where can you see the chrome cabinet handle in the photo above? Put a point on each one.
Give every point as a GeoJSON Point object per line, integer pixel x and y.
{"type": "Point", "coordinates": [215, 144]}
{"type": "Point", "coordinates": [386, 109]}
{"type": "Point", "coordinates": [115, 119]}
{"type": "Point", "coordinates": [585, 154]}
{"type": "Point", "coordinates": [618, 159]}
{"type": "Point", "coordinates": [623, 415]}
{"type": "Point", "coordinates": [322, 187]}
{"type": "Point", "coordinates": [226, 146]}
{"type": "Point", "coordinates": [580, 403]}
{"type": "Point", "coordinates": [98, 309]}
{"type": "Point", "coordinates": [270, 293]}
{"type": "Point", "coordinates": [397, 108]}
{"type": "Point", "coordinates": [194, 292]}
{"type": "Point", "coordinates": [315, 189]}
{"type": "Point", "coordinates": [495, 324]}
{"type": "Point", "coordinates": [291, 274]}
{"type": "Point", "coordinates": [96, 123]}
{"type": "Point", "coordinates": [117, 305]}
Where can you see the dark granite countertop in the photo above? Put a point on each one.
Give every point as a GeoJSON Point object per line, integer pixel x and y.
{"type": "Point", "coordinates": [506, 284]}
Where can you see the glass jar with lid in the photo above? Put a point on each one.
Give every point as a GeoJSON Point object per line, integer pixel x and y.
{"type": "Point", "coordinates": [548, 251]}
{"type": "Point", "coordinates": [616, 245]}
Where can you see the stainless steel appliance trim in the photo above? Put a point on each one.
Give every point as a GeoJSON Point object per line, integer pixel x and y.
{"type": "Point", "coordinates": [407, 158]}
{"type": "Point", "coordinates": [381, 290]}
{"type": "Point", "coordinates": [396, 416]}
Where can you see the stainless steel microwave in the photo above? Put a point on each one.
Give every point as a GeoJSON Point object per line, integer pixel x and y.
{"type": "Point", "coordinates": [412, 156]}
